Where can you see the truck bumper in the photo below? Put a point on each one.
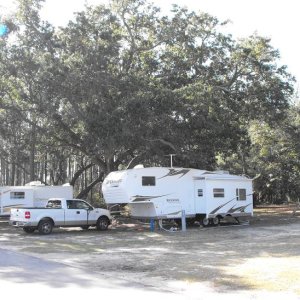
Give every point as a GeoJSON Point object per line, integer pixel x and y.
{"type": "Point", "coordinates": [21, 224]}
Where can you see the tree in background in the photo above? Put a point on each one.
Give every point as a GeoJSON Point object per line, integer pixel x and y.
{"type": "Point", "coordinates": [122, 84]}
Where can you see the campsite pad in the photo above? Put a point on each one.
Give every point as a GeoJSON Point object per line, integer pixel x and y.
{"type": "Point", "coordinates": [253, 260]}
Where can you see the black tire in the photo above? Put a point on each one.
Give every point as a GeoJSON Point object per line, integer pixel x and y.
{"type": "Point", "coordinates": [102, 223]}
{"type": "Point", "coordinates": [45, 226]}
{"type": "Point", "coordinates": [190, 221]}
{"type": "Point", "coordinates": [85, 227]}
{"type": "Point", "coordinates": [215, 221]}
{"type": "Point", "coordinates": [28, 229]}
{"type": "Point", "coordinates": [178, 222]}
{"type": "Point", "coordinates": [205, 222]}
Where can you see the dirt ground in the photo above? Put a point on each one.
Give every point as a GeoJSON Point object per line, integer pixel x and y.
{"type": "Point", "coordinates": [254, 259]}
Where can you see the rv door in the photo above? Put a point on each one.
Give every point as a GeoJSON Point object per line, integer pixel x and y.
{"type": "Point", "coordinates": [199, 196]}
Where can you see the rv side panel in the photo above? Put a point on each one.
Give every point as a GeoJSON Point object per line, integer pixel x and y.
{"type": "Point", "coordinates": [229, 197]}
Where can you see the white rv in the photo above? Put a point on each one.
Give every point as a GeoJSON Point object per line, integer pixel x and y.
{"type": "Point", "coordinates": [32, 194]}
{"type": "Point", "coordinates": [163, 193]}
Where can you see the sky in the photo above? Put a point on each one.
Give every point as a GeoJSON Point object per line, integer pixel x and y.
{"type": "Point", "coordinates": [276, 19]}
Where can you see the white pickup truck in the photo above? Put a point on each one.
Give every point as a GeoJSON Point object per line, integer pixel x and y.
{"type": "Point", "coordinates": [60, 212]}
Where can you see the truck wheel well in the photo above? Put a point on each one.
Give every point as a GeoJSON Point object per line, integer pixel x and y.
{"type": "Point", "coordinates": [105, 217]}
{"type": "Point", "coordinates": [48, 219]}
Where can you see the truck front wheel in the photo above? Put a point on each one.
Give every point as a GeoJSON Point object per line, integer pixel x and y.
{"type": "Point", "coordinates": [102, 223]}
{"type": "Point", "coordinates": [45, 226]}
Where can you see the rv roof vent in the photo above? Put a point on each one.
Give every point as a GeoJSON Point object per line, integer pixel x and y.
{"type": "Point", "coordinates": [139, 167]}
{"type": "Point", "coordinates": [34, 183]}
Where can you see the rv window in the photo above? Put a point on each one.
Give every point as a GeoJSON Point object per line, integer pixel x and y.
{"type": "Point", "coordinates": [200, 193]}
{"type": "Point", "coordinates": [148, 180]}
{"type": "Point", "coordinates": [219, 193]}
{"type": "Point", "coordinates": [17, 195]}
{"type": "Point", "coordinates": [241, 194]}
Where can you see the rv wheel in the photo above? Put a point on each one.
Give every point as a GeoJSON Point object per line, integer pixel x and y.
{"type": "Point", "coordinates": [215, 221]}
{"type": "Point", "coordinates": [205, 222]}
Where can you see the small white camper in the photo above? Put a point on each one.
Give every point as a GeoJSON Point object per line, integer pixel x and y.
{"type": "Point", "coordinates": [32, 194]}
{"type": "Point", "coordinates": [164, 193]}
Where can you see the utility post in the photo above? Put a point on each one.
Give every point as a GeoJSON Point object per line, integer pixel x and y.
{"type": "Point", "coordinates": [171, 159]}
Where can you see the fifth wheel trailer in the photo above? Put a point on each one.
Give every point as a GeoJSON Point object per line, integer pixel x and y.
{"type": "Point", "coordinates": [164, 193]}
{"type": "Point", "coordinates": [32, 194]}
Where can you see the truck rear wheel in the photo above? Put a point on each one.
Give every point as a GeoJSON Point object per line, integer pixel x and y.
{"type": "Point", "coordinates": [102, 223]}
{"type": "Point", "coordinates": [45, 226]}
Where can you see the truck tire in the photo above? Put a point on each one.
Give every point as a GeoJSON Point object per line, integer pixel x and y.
{"type": "Point", "coordinates": [102, 223]}
{"type": "Point", "coordinates": [45, 226]}
{"type": "Point", "coordinates": [28, 229]}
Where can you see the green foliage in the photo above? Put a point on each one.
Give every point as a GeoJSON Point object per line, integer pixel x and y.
{"type": "Point", "coordinates": [123, 84]}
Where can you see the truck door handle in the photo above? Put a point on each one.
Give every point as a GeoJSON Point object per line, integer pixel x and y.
{"type": "Point", "coordinates": [77, 212]}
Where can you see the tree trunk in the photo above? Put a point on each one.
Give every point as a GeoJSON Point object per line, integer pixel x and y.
{"type": "Point", "coordinates": [84, 193]}
{"type": "Point", "coordinates": [79, 172]}
{"type": "Point", "coordinates": [32, 154]}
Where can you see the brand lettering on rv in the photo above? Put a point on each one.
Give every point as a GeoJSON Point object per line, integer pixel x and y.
{"type": "Point", "coordinates": [172, 200]}
{"type": "Point", "coordinates": [114, 181]}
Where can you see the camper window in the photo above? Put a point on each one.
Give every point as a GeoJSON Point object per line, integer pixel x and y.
{"type": "Point", "coordinates": [241, 194]}
{"type": "Point", "coordinates": [200, 193]}
{"type": "Point", "coordinates": [219, 193]}
{"type": "Point", "coordinates": [17, 195]}
{"type": "Point", "coordinates": [148, 180]}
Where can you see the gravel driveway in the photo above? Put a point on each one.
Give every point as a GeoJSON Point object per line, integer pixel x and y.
{"type": "Point", "coordinates": [248, 262]}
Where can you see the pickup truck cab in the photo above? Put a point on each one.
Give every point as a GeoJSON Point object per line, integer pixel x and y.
{"type": "Point", "coordinates": [60, 212]}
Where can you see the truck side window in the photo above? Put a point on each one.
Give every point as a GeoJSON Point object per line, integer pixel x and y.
{"type": "Point", "coordinates": [82, 205]}
{"type": "Point", "coordinates": [53, 204]}
{"type": "Point", "coordinates": [72, 204]}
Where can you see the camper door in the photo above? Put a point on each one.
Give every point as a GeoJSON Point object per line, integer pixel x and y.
{"type": "Point", "coordinates": [199, 196]}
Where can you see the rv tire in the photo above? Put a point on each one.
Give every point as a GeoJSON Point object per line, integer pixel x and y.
{"type": "Point", "coordinates": [28, 229]}
{"type": "Point", "coordinates": [45, 226]}
{"type": "Point", "coordinates": [205, 222]}
{"type": "Point", "coordinates": [215, 221]}
{"type": "Point", "coordinates": [190, 221]}
{"type": "Point", "coordinates": [178, 222]}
